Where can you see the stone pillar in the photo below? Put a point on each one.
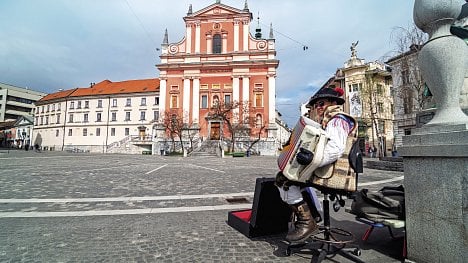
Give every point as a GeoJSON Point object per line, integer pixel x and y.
{"type": "Point", "coordinates": [236, 35]}
{"type": "Point", "coordinates": [245, 89]}
{"type": "Point", "coordinates": [235, 93]}
{"type": "Point", "coordinates": [186, 100]}
{"type": "Point", "coordinates": [271, 100]}
{"type": "Point", "coordinates": [188, 38]}
{"type": "Point", "coordinates": [197, 37]}
{"type": "Point", "coordinates": [435, 156]}
{"type": "Point", "coordinates": [162, 97]}
{"type": "Point", "coordinates": [245, 37]}
{"type": "Point", "coordinates": [196, 101]}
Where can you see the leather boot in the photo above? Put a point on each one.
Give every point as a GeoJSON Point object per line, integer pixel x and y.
{"type": "Point", "coordinates": [305, 225]}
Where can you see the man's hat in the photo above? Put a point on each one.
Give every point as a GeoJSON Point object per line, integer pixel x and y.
{"type": "Point", "coordinates": [328, 93]}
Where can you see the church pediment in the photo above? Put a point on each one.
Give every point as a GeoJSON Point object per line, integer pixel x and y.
{"type": "Point", "coordinates": [217, 10]}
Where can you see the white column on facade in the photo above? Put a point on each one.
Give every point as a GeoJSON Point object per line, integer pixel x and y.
{"type": "Point", "coordinates": [209, 41]}
{"type": "Point", "coordinates": [186, 100]}
{"type": "Point", "coordinates": [236, 36]}
{"type": "Point", "coordinates": [162, 97]}
{"type": "Point", "coordinates": [188, 38]}
{"type": "Point", "coordinates": [271, 98]}
{"type": "Point", "coordinates": [224, 51]}
{"type": "Point", "coordinates": [246, 35]}
{"type": "Point", "coordinates": [235, 93]}
{"type": "Point", "coordinates": [245, 89]}
{"type": "Point", "coordinates": [196, 101]}
{"type": "Point", "coordinates": [197, 37]}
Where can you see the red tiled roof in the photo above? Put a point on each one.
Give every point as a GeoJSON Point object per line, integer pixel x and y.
{"type": "Point", "coordinates": [107, 87]}
{"type": "Point", "coordinates": [58, 95]}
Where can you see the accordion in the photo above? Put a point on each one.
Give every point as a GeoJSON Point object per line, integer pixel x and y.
{"type": "Point", "coordinates": [309, 135]}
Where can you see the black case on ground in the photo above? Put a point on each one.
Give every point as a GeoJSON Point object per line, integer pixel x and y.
{"type": "Point", "coordinates": [269, 214]}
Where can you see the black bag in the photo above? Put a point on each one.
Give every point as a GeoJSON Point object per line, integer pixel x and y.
{"type": "Point", "coordinates": [355, 158]}
{"type": "Point", "coordinates": [387, 203]}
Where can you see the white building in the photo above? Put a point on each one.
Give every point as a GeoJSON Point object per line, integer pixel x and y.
{"type": "Point", "coordinates": [16, 102]}
{"type": "Point", "coordinates": [105, 117]}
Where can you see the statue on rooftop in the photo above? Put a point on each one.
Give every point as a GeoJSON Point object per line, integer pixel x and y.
{"type": "Point", "coordinates": [353, 49]}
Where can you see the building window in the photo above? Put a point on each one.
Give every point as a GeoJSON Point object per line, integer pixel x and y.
{"type": "Point", "coordinates": [405, 77]}
{"type": "Point", "coordinates": [72, 105]}
{"type": "Point", "coordinates": [86, 104]}
{"type": "Point", "coordinates": [78, 105]}
{"type": "Point", "coordinates": [156, 100]}
{"type": "Point", "coordinates": [37, 121]}
{"type": "Point", "coordinates": [379, 89]}
{"type": "Point", "coordinates": [408, 101]}
{"type": "Point", "coordinates": [174, 101]}
{"type": "Point", "coordinates": [42, 120]}
{"type": "Point", "coordinates": [127, 115]}
{"type": "Point", "coordinates": [174, 87]}
{"type": "Point", "coordinates": [57, 133]}
{"type": "Point", "coordinates": [58, 118]}
{"type": "Point", "coordinates": [129, 102]}
{"type": "Point", "coordinates": [227, 99]}
{"type": "Point", "coordinates": [70, 117]}
{"type": "Point", "coordinates": [85, 132]}
{"type": "Point", "coordinates": [98, 131]}
{"type": "Point", "coordinates": [381, 126]}
{"type": "Point", "coordinates": [112, 131]}
{"type": "Point", "coordinates": [380, 107]}
{"type": "Point", "coordinates": [217, 44]}
{"type": "Point", "coordinates": [47, 120]}
{"type": "Point", "coordinates": [99, 104]}
{"type": "Point", "coordinates": [37, 110]}
{"type": "Point", "coordinates": [70, 132]}
{"type": "Point", "coordinates": [215, 86]}
{"type": "Point", "coordinates": [227, 86]}
{"type": "Point", "coordinates": [407, 131]}
{"type": "Point", "coordinates": [258, 100]}
{"type": "Point", "coordinates": [156, 115]}
{"type": "Point", "coordinates": [114, 102]}
{"type": "Point", "coordinates": [127, 131]}
{"type": "Point", "coordinates": [59, 106]}
{"type": "Point", "coordinates": [143, 102]}
{"type": "Point", "coordinates": [114, 116]}
{"type": "Point", "coordinates": [204, 86]}
{"type": "Point", "coordinates": [142, 115]}
{"type": "Point", "coordinates": [98, 117]}
{"type": "Point", "coordinates": [85, 117]}
{"type": "Point", "coordinates": [48, 108]}
{"type": "Point", "coordinates": [204, 101]}
{"type": "Point", "coordinates": [258, 85]}
{"type": "Point", "coordinates": [53, 107]}
{"type": "Point", "coordinates": [42, 109]}
{"type": "Point", "coordinates": [258, 121]}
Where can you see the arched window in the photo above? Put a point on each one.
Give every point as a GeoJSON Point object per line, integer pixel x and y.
{"type": "Point", "coordinates": [258, 121]}
{"type": "Point", "coordinates": [217, 44]}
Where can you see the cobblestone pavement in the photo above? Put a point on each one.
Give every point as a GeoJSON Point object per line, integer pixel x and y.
{"type": "Point", "coordinates": [65, 207]}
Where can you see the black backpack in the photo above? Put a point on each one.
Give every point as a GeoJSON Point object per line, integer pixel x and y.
{"type": "Point", "coordinates": [387, 203]}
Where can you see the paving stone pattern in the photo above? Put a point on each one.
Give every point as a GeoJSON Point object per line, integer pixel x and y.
{"type": "Point", "coordinates": [187, 236]}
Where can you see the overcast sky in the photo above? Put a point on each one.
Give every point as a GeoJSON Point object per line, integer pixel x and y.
{"type": "Point", "coordinates": [48, 45]}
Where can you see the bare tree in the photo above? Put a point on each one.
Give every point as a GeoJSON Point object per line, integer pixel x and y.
{"type": "Point", "coordinates": [224, 111]}
{"type": "Point", "coordinates": [191, 132]}
{"type": "Point", "coordinates": [413, 91]}
{"type": "Point", "coordinates": [174, 125]}
{"type": "Point", "coordinates": [258, 128]}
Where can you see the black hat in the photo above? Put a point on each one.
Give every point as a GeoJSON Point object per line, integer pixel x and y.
{"type": "Point", "coordinates": [328, 93]}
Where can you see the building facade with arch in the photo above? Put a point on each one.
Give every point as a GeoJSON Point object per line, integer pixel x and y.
{"type": "Point", "coordinates": [219, 60]}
